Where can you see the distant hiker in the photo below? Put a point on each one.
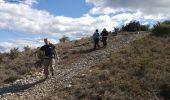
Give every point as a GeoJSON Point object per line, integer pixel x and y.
{"type": "Point", "coordinates": [49, 57]}
{"type": "Point", "coordinates": [104, 36]}
{"type": "Point", "coordinates": [96, 39]}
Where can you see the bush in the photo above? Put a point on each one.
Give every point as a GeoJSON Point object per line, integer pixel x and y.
{"type": "Point", "coordinates": [40, 55]}
{"type": "Point", "coordinates": [1, 57]}
{"type": "Point", "coordinates": [134, 26]}
{"type": "Point", "coordinates": [161, 29]}
{"type": "Point", "coordinates": [14, 53]}
{"type": "Point", "coordinates": [64, 39]}
{"type": "Point", "coordinates": [116, 30]}
{"type": "Point", "coordinates": [27, 48]}
{"type": "Point", "coordinates": [166, 22]}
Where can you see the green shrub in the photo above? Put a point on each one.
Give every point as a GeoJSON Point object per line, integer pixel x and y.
{"type": "Point", "coordinates": [166, 22]}
{"type": "Point", "coordinates": [40, 55]}
{"type": "Point", "coordinates": [64, 39]}
{"type": "Point", "coordinates": [14, 53]}
{"type": "Point", "coordinates": [161, 29]}
{"type": "Point", "coordinates": [134, 26]}
{"type": "Point", "coordinates": [1, 57]}
{"type": "Point", "coordinates": [116, 31]}
{"type": "Point", "coordinates": [27, 48]}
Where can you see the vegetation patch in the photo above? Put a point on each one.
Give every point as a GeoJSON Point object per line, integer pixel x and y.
{"type": "Point", "coordinates": [140, 71]}
{"type": "Point", "coordinates": [162, 29]}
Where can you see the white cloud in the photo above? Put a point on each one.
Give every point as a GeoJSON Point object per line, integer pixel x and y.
{"type": "Point", "coordinates": [20, 43]}
{"type": "Point", "coordinates": [38, 21]}
{"type": "Point", "coordinates": [26, 2]}
{"type": "Point", "coordinates": [105, 14]}
{"type": "Point", "coordinates": [146, 7]}
{"type": "Point", "coordinates": [99, 10]}
{"type": "Point", "coordinates": [29, 2]}
{"type": "Point", "coordinates": [24, 18]}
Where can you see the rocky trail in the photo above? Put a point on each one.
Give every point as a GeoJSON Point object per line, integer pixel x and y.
{"type": "Point", "coordinates": [37, 88]}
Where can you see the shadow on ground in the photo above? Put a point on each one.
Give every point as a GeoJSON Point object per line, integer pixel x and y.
{"type": "Point", "coordinates": [165, 91]}
{"type": "Point", "coordinates": [18, 88]}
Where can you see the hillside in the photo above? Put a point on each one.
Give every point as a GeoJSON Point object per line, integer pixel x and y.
{"type": "Point", "coordinates": [133, 66]}
{"type": "Point", "coordinates": [138, 72]}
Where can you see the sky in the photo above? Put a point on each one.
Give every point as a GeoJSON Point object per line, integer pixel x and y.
{"type": "Point", "coordinates": [27, 22]}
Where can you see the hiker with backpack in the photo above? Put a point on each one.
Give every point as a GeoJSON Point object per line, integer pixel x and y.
{"type": "Point", "coordinates": [49, 57]}
{"type": "Point", "coordinates": [96, 39]}
{"type": "Point", "coordinates": [104, 35]}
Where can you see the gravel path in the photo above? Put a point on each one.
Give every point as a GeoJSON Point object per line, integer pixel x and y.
{"type": "Point", "coordinates": [37, 88]}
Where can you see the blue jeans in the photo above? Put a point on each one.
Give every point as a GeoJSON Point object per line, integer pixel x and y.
{"type": "Point", "coordinates": [96, 43]}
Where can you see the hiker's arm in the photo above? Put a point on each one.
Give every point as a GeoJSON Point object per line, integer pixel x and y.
{"type": "Point", "coordinates": [53, 46]}
{"type": "Point", "coordinates": [57, 56]}
{"type": "Point", "coordinates": [58, 59]}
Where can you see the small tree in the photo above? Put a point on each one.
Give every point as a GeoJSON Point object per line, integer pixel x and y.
{"type": "Point", "coordinates": [161, 29]}
{"type": "Point", "coordinates": [14, 53]}
{"type": "Point", "coordinates": [27, 48]}
{"type": "Point", "coordinates": [64, 39]}
{"type": "Point", "coordinates": [116, 30]}
{"type": "Point", "coordinates": [134, 26]}
{"type": "Point", "coordinates": [1, 57]}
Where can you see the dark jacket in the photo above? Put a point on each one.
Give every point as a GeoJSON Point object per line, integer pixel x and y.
{"type": "Point", "coordinates": [96, 35]}
{"type": "Point", "coordinates": [49, 50]}
{"type": "Point", "coordinates": [104, 34]}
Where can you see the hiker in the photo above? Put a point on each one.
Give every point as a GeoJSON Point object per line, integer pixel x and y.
{"type": "Point", "coordinates": [49, 58]}
{"type": "Point", "coordinates": [96, 39]}
{"type": "Point", "coordinates": [104, 35]}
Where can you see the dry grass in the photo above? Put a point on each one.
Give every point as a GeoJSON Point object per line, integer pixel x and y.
{"type": "Point", "coordinates": [13, 69]}
{"type": "Point", "coordinates": [139, 72]}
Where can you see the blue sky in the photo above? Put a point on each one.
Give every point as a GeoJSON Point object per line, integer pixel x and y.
{"type": "Point", "coordinates": [56, 7]}
{"type": "Point", "coordinates": [64, 7]}
{"type": "Point", "coordinates": [27, 22]}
